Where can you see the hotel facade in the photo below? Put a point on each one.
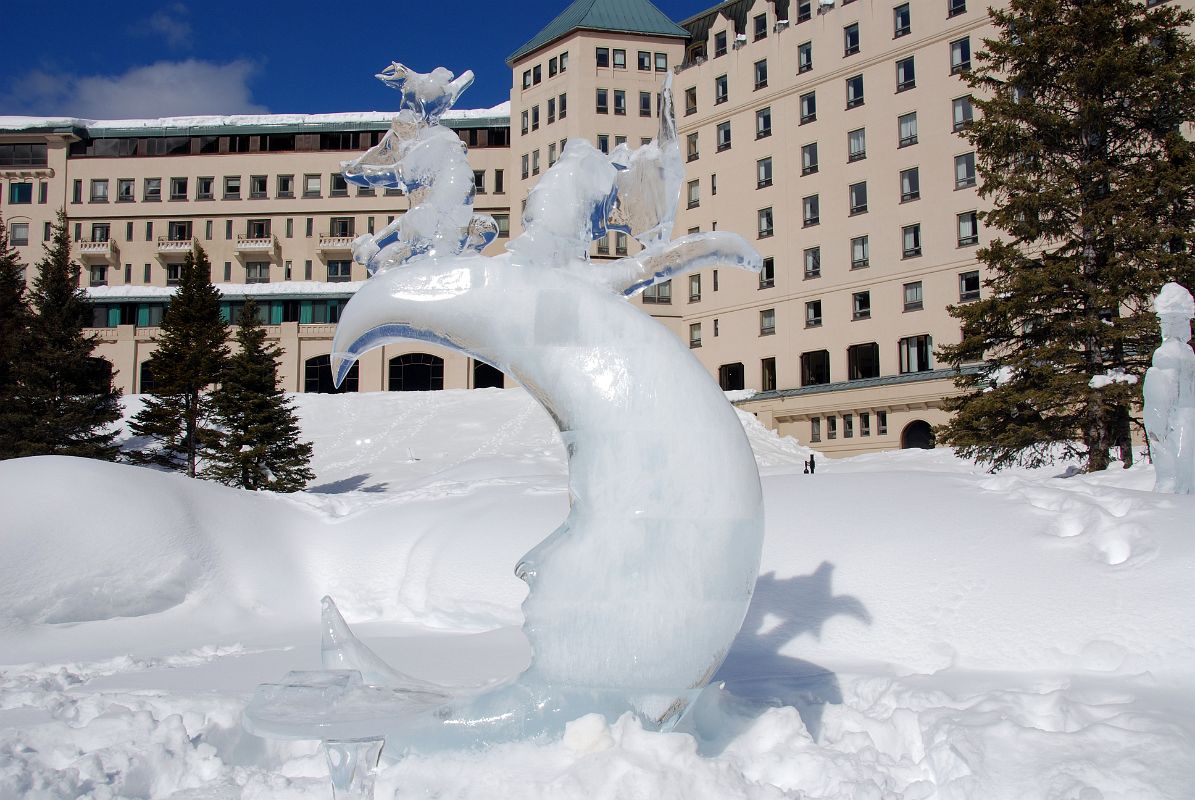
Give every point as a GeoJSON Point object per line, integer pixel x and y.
{"type": "Point", "coordinates": [826, 133]}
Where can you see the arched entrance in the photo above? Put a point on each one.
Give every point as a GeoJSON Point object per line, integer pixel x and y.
{"type": "Point", "coordinates": [317, 377]}
{"type": "Point", "coordinates": [917, 435]}
{"type": "Point", "coordinates": [416, 372]}
{"type": "Point", "coordinates": [487, 377]}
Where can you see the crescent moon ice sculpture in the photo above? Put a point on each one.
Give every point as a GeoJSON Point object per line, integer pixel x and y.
{"type": "Point", "coordinates": [634, 600]}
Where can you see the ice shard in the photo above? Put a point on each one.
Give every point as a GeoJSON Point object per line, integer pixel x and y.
{"type": "Point", "coordinates": [634, 600]}
{"type": "Point", "coordinates": [1169, 394]}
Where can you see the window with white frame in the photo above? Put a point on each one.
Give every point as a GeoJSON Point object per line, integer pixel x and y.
{"type": "Point", "coordinates": [99, 191]}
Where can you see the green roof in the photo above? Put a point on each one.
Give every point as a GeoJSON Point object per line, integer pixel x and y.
{"type": "Point", "coordinates": [624, 16]}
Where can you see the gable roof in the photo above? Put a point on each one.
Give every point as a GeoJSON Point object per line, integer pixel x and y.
{"type": "Point", "coordinates": [624, 16]}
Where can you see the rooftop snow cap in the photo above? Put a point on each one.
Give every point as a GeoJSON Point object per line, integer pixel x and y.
{"type": "Point", "coordinates": [626, 16]}
{"type": "Point", "coordinates": [1174, 299]}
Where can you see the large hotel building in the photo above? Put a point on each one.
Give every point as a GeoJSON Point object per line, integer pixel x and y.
{"type": "Point", "coordinates": [824, 131]}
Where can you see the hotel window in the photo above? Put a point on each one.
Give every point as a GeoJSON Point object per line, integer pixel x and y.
{"type": "Point", "coordinates": [99, 191]}
{"type": "Point", "coordinates": [620, 59]}
{"type": "Point", "coordinates": [813, 314]}
{"type": "Point", "coordinates": [99, 275]}
{"type": "Point", "coordinates": [174, 275]}
{"type": "Point", "coordinates": [723, 136]}
{"type": "Point", "coordinates": [964, 170]}
{"type": "Point", "coordinates": [551, 110]}
{"type": "Point", "coordinates": [620, 140]}
{"type": "Point", "coordinates": [694, 193]}
{"type": "Point", "coordinates": [19, 232]}
{"type": "Point", "coordinates": [564, 61]}
{"type": "Point", "coordinates": [661, 62]}
{"type": "Point", "coordinates": [906, 75]}
{"type": "Point", "coordinates": [808, 107]}
{"type": "Point", "coordinates": [763, 173]}
{"type": "Point", "coordinates": [207, 230]}
{"type": "Point", "coordinates": [312, 186]}
{"type": "Point", "coordinates": [551, 154]}
{"type": "Point", "coordinates": [152, 189]}
{"type": "Point", "coordinates": [810, 210]}
{"type": "Point", "coordinates": [526, 166]}
{"type": "Point", "coordinates": [761, 26]}
{"type": "Point", "coordinates": [962, 112]}
{"type": "Point", "coordinates": [764, 222]}
{"type": "Point", "coordinates": [955, 7]}
{"type": "Point", "coordinates": [910, 237]}
{"type": "Point", "coordinates": [620, 102]}
{"type": "Point", "coordinates": [804, 57]}
{"type": "Point", "coordinates": [719, 44]}
{"type": "Point", "coordinates": [204, 188]}
{"type": "Point", "coordinates": [848, 426]}
{"type": "Point", "coordinates": [694, 287]}
{"type": "Point", "coordinates": [804, 10]}
{"type": "Point", "coordinates": [537, 74]}
{"type": "Point", "coordinates": [881, 423]}
{"type": "Point", "coordinates": [767, 374]}
{"type": "Point", "coordinates": [767, 275]}
{"type": "Point", "coordinates": [860, 252]}
{"type": "Point", "coordinates": [26, 192]}
{"type": "Point", "coordinates": [721, 90]}
{"type": "Point", "coordinates": [499, 187]}
{"type": "Point", "coordinates": [526, 79]}
{"type": "Point", "coordinates": [761, 73]}
{"type": "Point", "coordinates": [861, 305]}
{"type": "Point", "coordinates": [660, 293]}
{"type": "Point", "coordinates": [602, 102]}
{"type": "Point", "coordinates": [257, 186]}
{"type": "Point", "coordinates": [124, 190]}
{"type": "Point", "coordinates": [968, 286]}
{"type": "Point", "coordinates": [690, 100]}
{"type": "Point", "coordinates": [257, 272]}
{"type": "Point", "coordinates": [906, 125]}
{"type": "Point", "coordinates": [525, 122]}
{"type": "Point", "coordinates": [503, 221]}
{"type": "Point", "coordinates": [644, 61]}
{"type": "Point", "coordinates": [767, 322]}
{"type": "Point", "coordinates": [340, 226]}
{"type": "Point", "coordinates": [850, 39]}
{"type": "Point", "coordinates": [257, 229]}
{"type": "Point", "coordinates": [695, 334]}
{"type": "Point", "coordinates": [620, 244]}
{"type": "Point", "coordinates": [691, 152]}
{"type": "Point", "coordinates": [910, 184]}
{"type": "Point", "coordinates": [339, 187]}
{"type": "Point", "coordinates": [815, 429]}
{"type": "Point", "coordinates": [535, 118]}
{"type": "Point", "coordinates": [815, 368]}
{"type": "Point", "coordinates": [960, 55]}
{"type": "Point", "coordinates": [552, 67]}
{"type": "Point", "coordinates": [730, 376]}
{"type": "Point", "coordinates": [913, 299]}
{"type": "Point", "coordinates": [763, 123]}
{"type": "Point", "coordinates": [916, 354]}
{"type": "Point", "coordinates": [603, 56]}
{"type": "Point", "coordinates": [856, 144]}
{"type": "Point", "coordinates": [645, 104]}
{"type": "Point", "coordinates": [864, 423]}
{"type": "Point", "coordinates": [178, 230]}
{"type": "Point", "coordinates": [857, 194]}
{"type": "Point", "coordinates": [902, 22]}
{"type": "Point", "coordinates": [968, 228]}
{"type": "Point", "coordinates": [479, 181]}
{"type": "Point", "coordinates": [809, 158]}
{"type": "Point", "coordinates": [863, 361]}
{"type": "Point", "coordinates": [603, 143]}
{"type": "Point", "coordinates": [854, 91]}
{"type": "Point", "coordinates": [812, 258]}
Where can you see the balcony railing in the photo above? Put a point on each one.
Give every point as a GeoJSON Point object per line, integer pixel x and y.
{"type": "Point", "coordinates": [169, 245]}
{"type": "Point", "coordinates": [105, 249]}
{"type": "Point", "coordinates": [328, 242]}
{"type": "Point", "coordinates": [255, 243]}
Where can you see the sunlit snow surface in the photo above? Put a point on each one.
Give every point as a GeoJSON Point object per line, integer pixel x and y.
{"type": "Point", "coordinates": [936, 632]}
{"type": "Point", "coordinates": [634, 600]}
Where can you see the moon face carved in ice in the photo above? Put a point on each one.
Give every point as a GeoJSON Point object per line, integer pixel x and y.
{"type": "Point", "coordinates": [634, 600]}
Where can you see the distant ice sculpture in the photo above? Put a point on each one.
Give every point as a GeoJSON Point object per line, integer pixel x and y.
{"type": "Point", "coordinates": [634, 600]}
{"type": "Point", "coordinates": [1170, 394]}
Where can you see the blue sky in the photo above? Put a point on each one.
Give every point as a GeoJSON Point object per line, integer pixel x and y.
{"type": "Point", "coordinates": [121, 60]}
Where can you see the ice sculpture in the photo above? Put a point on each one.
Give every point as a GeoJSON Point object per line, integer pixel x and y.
{"type": "Point", "coordinates": [634, 600]}
{"type": "Point", "coordinates": [1170, 394]}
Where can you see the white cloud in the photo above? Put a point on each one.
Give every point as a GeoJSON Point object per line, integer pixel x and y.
{"type": "Point", "coordinates": [163, 89]}
{"type": "Point", "coordinates": [172, 24]}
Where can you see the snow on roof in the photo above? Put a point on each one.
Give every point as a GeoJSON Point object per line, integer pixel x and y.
{"type": "Point", "coordinates": [280, 289]}
{"type": "Point", "coordinates": [99, 127]}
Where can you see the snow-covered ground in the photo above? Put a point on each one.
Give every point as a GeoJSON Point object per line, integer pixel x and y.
{"type": "Point", "coordinates": [920, 629]}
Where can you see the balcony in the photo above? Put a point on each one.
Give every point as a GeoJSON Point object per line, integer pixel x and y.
{"type": "Point", "coordinates": [168, 246]}
{"type": "Point", "coordinates": [104, 250]}
{"type": "Point", "coordinates": [329, 243]}
{"type": "Point", "coordinates": [248, 244]}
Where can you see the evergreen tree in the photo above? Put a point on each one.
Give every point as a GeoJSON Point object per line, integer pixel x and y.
{"type": "Point", "coordinates": [63, 401]}
{"type": "Point", "coordinates": [259, 447]}
{"type": "Point", "coordinates": [1080, 150]}
{"type": "Point", "coordinates": [14, 331]}
{"type": "Point", "coordinates": [191, 353]}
